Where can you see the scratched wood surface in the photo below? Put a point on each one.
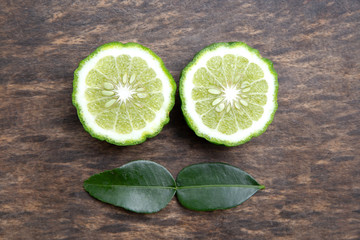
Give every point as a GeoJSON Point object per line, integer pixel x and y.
{"type": "Point", "coordinates": [308, 158]}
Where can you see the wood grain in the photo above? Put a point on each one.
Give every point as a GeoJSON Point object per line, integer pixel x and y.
{"type": "Point", "coordinates": [308, 158]}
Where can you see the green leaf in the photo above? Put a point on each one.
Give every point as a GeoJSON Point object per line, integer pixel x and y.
{"type": "Point", "coordinates": [139, 186]}
{"type": "Point", "coordinates": [212, 186]}
{"type": "Point", "coordinates": [147, 187]}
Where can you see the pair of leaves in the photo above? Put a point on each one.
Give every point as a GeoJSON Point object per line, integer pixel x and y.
{"type": "Point", "coordinates": [147, 187]}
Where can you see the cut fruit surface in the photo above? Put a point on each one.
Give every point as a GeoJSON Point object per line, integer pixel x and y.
{"type": "Point", "coordinates": [123, 93]}
{"type": "Point", "coordinates": [229, 93]}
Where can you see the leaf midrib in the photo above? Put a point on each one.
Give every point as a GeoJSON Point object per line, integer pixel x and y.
{"type": "Point", "coordinates": [183, 187]}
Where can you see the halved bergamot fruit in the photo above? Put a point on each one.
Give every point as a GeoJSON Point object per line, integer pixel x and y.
{"type": "Point", "coordinates": [123, 93]}
{"type": "Point", "coordinates": [229, 93]}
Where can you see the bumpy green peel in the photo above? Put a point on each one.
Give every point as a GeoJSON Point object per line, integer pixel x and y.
{"type": "Point", "coordinates": [195, 60]}
{"type": "Point", "coordinates": [81, 116]}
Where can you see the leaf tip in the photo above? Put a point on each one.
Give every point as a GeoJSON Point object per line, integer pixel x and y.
{"type": "Point", "coordinates": [261, 187]}
{"type": "Point", "coordinates": [86, 185]}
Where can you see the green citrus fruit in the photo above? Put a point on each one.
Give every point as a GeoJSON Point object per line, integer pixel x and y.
{"type": "Point", "coordinates": [123, 93]}
{"type": "Point", "coordinates": [229, 93]}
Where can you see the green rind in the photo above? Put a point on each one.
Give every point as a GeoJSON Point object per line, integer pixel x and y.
{"type": "Point", "coordinates": [196, 58]}
{"type": "Point", "coordinates": [145, 135]}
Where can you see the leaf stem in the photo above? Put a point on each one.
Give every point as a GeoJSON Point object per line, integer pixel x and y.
{"type": "Point", "coordinates": [132, 186]}
{"type": "Point", "coordinates": [208, 186]}
{"type": "Point", "coordinates": [183, 187]}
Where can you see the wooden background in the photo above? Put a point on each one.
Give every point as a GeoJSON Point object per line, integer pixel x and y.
{"type": "Point", "coordinates": [308, 158]}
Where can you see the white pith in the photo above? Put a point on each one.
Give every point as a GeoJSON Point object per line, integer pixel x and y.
{"type": "Point", "coordinates": [124, 93]}
{"type": "Point", "coordinates": [229, 94]}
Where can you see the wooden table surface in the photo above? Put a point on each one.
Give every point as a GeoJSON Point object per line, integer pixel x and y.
{"type": "Point", "coordinates": [308, 158]}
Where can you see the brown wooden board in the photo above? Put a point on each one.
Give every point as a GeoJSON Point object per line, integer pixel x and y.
{"type": "Point", "coordinates": [308, 159]}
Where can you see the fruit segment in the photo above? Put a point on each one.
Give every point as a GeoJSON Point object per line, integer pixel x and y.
{"type": "Point", "coordinates": [227, 88]}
